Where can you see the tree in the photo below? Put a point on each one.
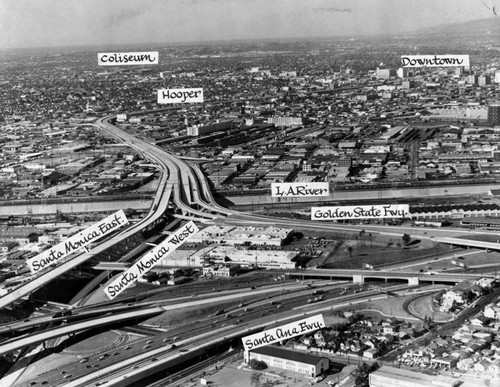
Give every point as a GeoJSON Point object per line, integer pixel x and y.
{"type": "Point", "coordinates": [255, 378]}
{"type": "Point", "coordinates": [406, 239]}
{"type": "Point", "coordinates": [362, 234]}
{"type": "Point", "coordinates": [361, 375]}
{"type": "Point", "coordinates": [428, 323]}
{"type": "Point", "coordinates": [349, 249]}
{"type": "Point", "coordinates": [153, 276]}
{"type": "Point", "coordinates": [257, 365]}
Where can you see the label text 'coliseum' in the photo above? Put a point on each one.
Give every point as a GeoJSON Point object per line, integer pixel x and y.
{"type": "Point", "coordinates": [127, 58]}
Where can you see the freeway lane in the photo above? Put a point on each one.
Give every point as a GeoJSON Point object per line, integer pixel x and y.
{"type": "Point", "coordinates": [31, 339]}
{"type": "Point", "coordinates": [258, 310]}
{"type": "Point", "coordinates": [181, 176]}
{"type": "Point", "coordinates": [170, 180]}
{"type": "Point", "coordinates": [160, 204]}
{"type": "Point", "coordinates": [128, 371]}
{"type": "Point", "coordinates": [185, 182]}
{"type": "Point", "coordinates": [451, 278]}
{"type": "Point", "coordinates": [13, 344]}
{"type": "Point", "coordinates": [189, 190]}
{"type": "Point", "coordinates": [244, 219]}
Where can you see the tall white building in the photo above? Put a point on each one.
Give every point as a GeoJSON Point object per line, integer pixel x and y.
{"type": "Point", "coordinates": [497, 76]}
{"type": "Point", "coordinates": [285, 121]}
{"type": "Point", "coordinates": [199, 130]}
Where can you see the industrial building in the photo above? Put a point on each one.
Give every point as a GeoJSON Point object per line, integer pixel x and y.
{"type": "Point", "coordinates": [219, 271]}
{"type": "Point", "coordinates": [199, 130]}
{"type": "Point", "coordinates": [494, 114]}
{"type": "Point", "coordinates": [455, 211]}
{"type": "Point", "coordinates": [285, 121]}
{"type": "Point", "coordinates": [397, 377]}
{"type": "Point", "coordinates": [270, 236]}
{"type": "Point", "coordinates": [288, 360]}
{"type": "Point", "coordinates": [268, 259]}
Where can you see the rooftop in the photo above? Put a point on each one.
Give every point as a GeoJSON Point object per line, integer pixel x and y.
{"type": "Point", "coordinates": [415, 378]}
{"type": "Point", "coordinates": [286, 354]}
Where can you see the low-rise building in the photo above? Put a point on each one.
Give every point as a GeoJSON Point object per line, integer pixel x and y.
{"type": "Point", "coordinates": [398, 377]}
{"type": "Point", "coordinates": [8, 246]}
{"type": "Point", "coordinates": [268, 259]}
{"type": "Point", "coordinates": [219, 271]}
{"type": "Point", "coordinates": [288, 360]}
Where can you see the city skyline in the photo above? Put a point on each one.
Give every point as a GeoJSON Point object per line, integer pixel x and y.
{"type": "Point", "coordinates": [30, 24]}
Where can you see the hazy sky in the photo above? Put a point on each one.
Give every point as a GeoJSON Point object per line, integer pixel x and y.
{"type": "Point", "coordinates": [31, 23]}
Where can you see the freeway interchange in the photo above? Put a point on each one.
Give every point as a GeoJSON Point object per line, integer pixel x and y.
{"type": "Point", "coordinates": [183, 187]}
{"type": "Point", "coordinates": [131, 360]}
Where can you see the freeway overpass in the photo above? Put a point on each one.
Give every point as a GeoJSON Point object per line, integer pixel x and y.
{"type": "Point", "coordinates": [36, 338]}
{"type": "Point", "coordinates": [186, 184]}
{"type": "Point", "coordinates": [113, 266]}
{"type": "Point", "coordinates": [179, 183]}
{"type": "Point", "coordinates": [241, 218]}
{"type": "Point", "coordinates": [469, 243]}
{"type": "Point", "coordinates": [124, 312]}
{"type": "Point", "coordinates": [187, 187]}
{"type": "Point", "coordinates": [132, 370]}
{"type": "Point", "coordinates": [78, 314]}
{"type": "Point", "coordinates": [360, 276]}
{"type": "Point", "coordinates": [159, 206]}
{"type": "Point", "coordinates": [76, 207]}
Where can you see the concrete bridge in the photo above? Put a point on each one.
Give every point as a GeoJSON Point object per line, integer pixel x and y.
{"type": "Point", "coordinates": [360, 276]}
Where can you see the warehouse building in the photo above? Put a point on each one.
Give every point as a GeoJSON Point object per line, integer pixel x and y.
{"type": "Point", "coordinates": [397, 377]}
{"type": "Point", "coordinates": [285, 359]}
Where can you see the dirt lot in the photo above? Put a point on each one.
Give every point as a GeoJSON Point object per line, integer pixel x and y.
{"type": "Point", "coordinates": [354, 253]}
{"type": "Point", "coordinates": [238, 374]}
